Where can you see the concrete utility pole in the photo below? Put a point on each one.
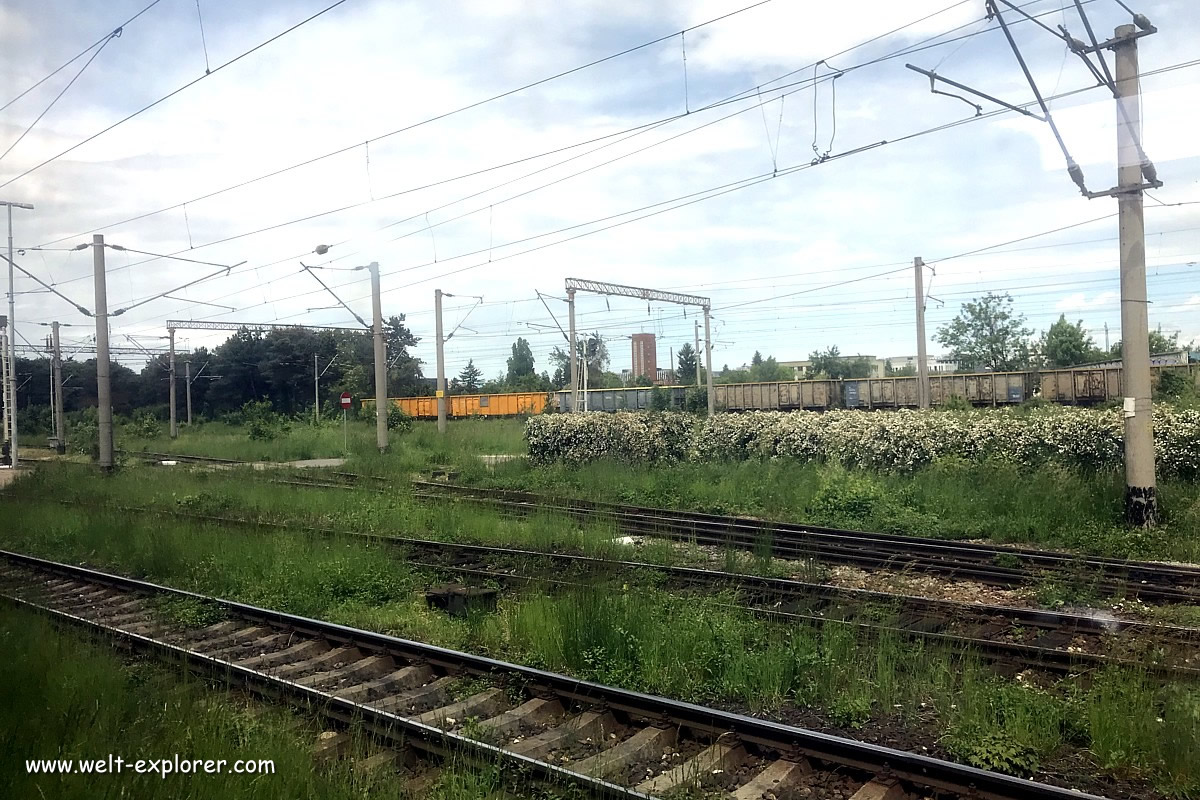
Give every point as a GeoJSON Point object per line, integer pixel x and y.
{"type": "Point", "coordinates": [187, 389]}
{"type": "Point", "coordinates": [712, 398]}
{"type": "Point", "coordinates": [316, 393]}
{"type": "Point", "coordinates": [381, 409]}
{"type": "Point", "coordinates": [441, 360]}
{"type": "Point", "coordinates": [696, 339]}
{"type": "Point", "coordinates": [923, 399]}
{"type": "Point", "coordinates": [1141, 501]}
{"type": "Point", "coordinates": [11, 385]}
{"type": "Point", "coordinates": [571, 347]}
{"type": "Point", "coordinates": [171, 391]}
{"type": "Point", "coordinates": [60, 420]}
{"type": "Point", "coordinates": [4, 375]}
{"type": "Point", "coordinates": [103, 376]}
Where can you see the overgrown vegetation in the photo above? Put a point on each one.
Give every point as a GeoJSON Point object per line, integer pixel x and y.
{"type": "Point", "coordinates": [680, 645]}
{"type": "Point", "coordinates": [65, 698]}
{"type": "Point", "coordinates": [1050, 505]}
{"type": "Point", "coordinates": [900, 441]}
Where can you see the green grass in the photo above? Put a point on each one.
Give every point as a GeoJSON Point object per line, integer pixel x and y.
{"type": "Point", "coordinates": [642, 638]}
{"type": "Point", "coordinates": [305, 440]}
{"type": "Point", "coordinates": [1050, 506]}
{"type": "Point", "coordinates": [411, 451]}
{"type": "Point", "coordinates": [220, 440]}
{"type": "Point", "coordinates": [235, 493]}
{"type": "Point", "coordinates": [65, 697]}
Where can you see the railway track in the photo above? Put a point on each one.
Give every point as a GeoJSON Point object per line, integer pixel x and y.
{"type": "Point", "coordinates": [601, 740]}
{"type": "Point", "coordinates": [990, 564]}
{"type": "Point", "coordinates": [1015, 637]}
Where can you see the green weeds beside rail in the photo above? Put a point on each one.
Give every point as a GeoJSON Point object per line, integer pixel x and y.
{"type": "Point", "coordinates": [679, 645]}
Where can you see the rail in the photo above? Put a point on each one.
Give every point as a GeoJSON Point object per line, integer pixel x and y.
{"type": "Point", "coordinates": [293, 656]}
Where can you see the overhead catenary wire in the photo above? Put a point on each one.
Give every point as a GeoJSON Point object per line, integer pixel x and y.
{"type": "Point", "coordinates": [102, 40]}
{"type": "Point", "coordinates": [171, 94]}
{"type": "Point", "coordinates": [114, 35]}
{"type": "Point", "coordinates": [928, 42]}
{"type": "Point", "coordinates": [679, 203]}
{"type": "Point", "coordinates": [649, 126]}
{"type": "Point", "coordinates": [405, 128]}
{"type": "Point", "coordinates": [443, 259]}
{"type": "Point", "coordinates": [1186, 64]}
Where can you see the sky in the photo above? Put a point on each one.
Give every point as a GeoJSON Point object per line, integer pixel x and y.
{"type": "Point", "coordinates": [686, 164]}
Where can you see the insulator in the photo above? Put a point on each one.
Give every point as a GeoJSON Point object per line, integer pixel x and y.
{"type": "Point", "coordinates": [1077, 175]}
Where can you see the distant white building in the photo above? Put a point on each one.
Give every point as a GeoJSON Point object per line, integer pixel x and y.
{"type": "Point", "coordinates": [937, 364]}
{"type": "Point", "coordinates": [800, 369]}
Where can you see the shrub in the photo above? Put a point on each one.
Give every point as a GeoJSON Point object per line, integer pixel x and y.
{"type": "Point", "coordinates": [1173, 384]}
{"type": "Point", "coordinates": [399, 420]}
{"type": "Point", "coordinates": [622, 436]}
{"type": "Point", "coordinates": [262, 423]}
{"type": "Point", "coordinates": [145, 426]}
{"type": "Point", "coordinates": [660, 400]}
{"type": "Point", "coordinates": [956, 402]}
{"type": "Point", "coordinates": [899, 441]}
{"type": "Point", "coordinates": [83, 433]}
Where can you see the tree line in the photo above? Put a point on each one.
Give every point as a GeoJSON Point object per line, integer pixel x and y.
{"type": "Point", "coordinates": [249, 366]}
{"type": "Point", "coordinates": [989, 335]}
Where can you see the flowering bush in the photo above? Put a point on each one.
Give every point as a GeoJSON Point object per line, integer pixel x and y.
{"type": "Point", "coordinates": [623, 436]}
{"type": "Point", "coordinates": [892, 441]}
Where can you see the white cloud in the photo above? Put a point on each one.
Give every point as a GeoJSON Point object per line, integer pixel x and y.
{"type": "Point", "coordinates": [368, 68]}
{"type": "Point", "coordinates": [1079, 301]}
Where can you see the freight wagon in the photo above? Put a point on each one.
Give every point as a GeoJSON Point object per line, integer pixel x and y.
{"type": "Point", "coordinates": [978, 389]}
{"type": "Point", "coordinates": [636, 398]}
{"type": "Point", "coordinates": [1081, 385]}
{"type": "Point", "coordinates": [784, 395]}
{"type": "Point", "coordinates": [472, 405]}
{"type": "Point", "coordinates": [1089, 385]}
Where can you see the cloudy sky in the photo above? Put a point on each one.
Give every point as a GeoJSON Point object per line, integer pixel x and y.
{"type": "Point", "coordinates": [649, 168]}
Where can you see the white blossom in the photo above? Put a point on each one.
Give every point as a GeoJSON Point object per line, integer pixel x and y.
{"type": "Point", "coordinates": [884, 440]}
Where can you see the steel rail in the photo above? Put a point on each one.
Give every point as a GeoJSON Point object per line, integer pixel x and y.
{"type": "Point", "coordinates": [980, 627]}
{"type": "Point", "coordinates": [1137, 570]}
{"type": "Point", "coordinates": [399, 732]}
{"type": "Point", "coordinates": [785, 739]}
{"type": "Point", "coordinates": [1148, 579]}
{"type": "Point", "coordinates": [775, 587]}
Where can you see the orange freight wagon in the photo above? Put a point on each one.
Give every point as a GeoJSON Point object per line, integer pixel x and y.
{"type": "Point", "coordinates": [473, 405]}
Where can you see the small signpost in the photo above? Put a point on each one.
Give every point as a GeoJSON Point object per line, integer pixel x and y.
{"type": "Point", "coordinates": [345, 435]}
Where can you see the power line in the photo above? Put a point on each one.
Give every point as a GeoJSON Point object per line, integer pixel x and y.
{"type": "Point", "coordinates": [102, 40]}
{"type": "Point", "coordinates": [948, 125]}
{"type": "Point", "coordinates": [395, 132]}
{"type": "Point", "coordinates": [166, 97]}
{"type": "Point", "coordinates": [637, 130]}
{"type": "Point", "coordinates": [678, 202]}
{"type": "Point", "coordinates": [114, 35]}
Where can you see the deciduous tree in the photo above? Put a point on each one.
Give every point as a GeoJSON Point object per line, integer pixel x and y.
{"type": "Point", "coordinates": [988, 334]}
{"type": "Point", "coordinates": [830, 363]}
{"type": "Point", "coordinates": [520, 363]}
{"type": "Point", "coordinates": [1066, 345]}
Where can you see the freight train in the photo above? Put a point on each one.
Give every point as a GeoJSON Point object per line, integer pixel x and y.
{"type": "Point", "coordinates": [1078, 386]}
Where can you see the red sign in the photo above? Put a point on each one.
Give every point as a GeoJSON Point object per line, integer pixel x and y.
{"type": "Point", "coordinates": [345, 399]}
